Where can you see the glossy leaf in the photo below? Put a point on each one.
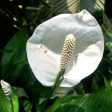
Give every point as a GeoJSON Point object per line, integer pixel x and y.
{"type": "Point", "coordinates": [15, 103]}
{"type": "Point", "coordinates": [5, 105]}
{"type": "Point", "coordinates": [101, 101]}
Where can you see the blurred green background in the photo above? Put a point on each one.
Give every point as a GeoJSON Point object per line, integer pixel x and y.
{"type": "Point", "coordinates": [18, 19]}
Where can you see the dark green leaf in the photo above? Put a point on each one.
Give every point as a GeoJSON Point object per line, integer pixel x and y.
{"type": "Point", "coordinates": [20, 92]}
{"type": "Point", "coordinates": [101, 101]}
{"type": "Point", "coordinates": [27, 106]}
{"type": "Point", "coordinates": [14, 56]}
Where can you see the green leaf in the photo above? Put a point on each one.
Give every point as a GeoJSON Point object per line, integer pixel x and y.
{"type": "Point", "coordinates": [14, 56]}
{"type": "Point", "coordinates": [92, 5]}
{"type": "Point", "coordinates": [100, 101]}
{"type": "Point", "coordinates": [20, 92]}
{"type": "Point", "coordinates": [5, 105]}
{"type": "Point", "coordinates": [109, 40]}
{"type": "Point", "coordinates": [94, 85]}
{"type": "Point", "coordinates": [15, 103]}
{"type": "Point", "coordinates": [69, 108]}
{"type": "Point", "coordinates": [27, 106]}
{"type": "Point", "coordinates": [73, 6]}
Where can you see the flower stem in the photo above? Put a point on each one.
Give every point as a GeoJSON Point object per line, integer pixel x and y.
{"type": "Point", "coordinates": [58, 80]}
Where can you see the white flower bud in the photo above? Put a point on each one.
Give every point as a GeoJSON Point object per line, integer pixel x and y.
{"type": "Point", "coordinates": [7, 89]}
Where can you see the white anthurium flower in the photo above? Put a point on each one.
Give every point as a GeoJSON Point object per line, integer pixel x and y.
{"type": "Point", "coordinates": [45, 46]}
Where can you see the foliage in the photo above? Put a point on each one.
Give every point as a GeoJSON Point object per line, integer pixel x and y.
{"type": "Point", "coordinates": [94, 93]}
{"type": "Point", "coordinates": [6, 105]}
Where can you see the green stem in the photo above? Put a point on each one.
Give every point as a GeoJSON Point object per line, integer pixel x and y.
{"type": "Point", "coordinates": [58, 81]}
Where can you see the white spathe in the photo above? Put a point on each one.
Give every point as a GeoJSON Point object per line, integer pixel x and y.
{"type": "Point", "coordinates": [45, 46]}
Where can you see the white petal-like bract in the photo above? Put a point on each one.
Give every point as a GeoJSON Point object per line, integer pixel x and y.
{"type": "Point", "coordinates": [45, 46]}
